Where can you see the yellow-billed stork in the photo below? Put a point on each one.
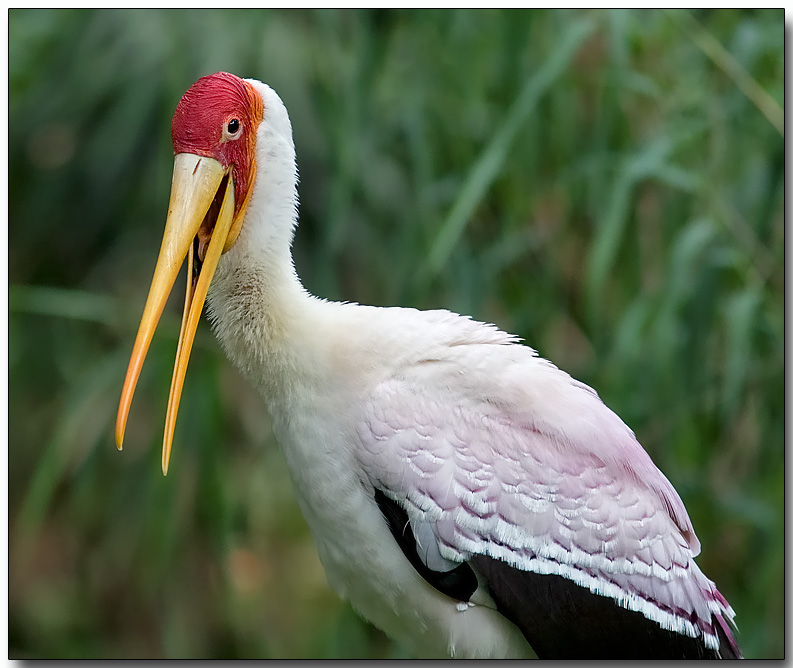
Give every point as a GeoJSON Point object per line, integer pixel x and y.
{"type": "Point", "coordinates": [466, 496]}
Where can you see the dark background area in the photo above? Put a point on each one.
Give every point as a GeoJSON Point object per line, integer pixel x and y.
{"type": "Point", "coordinates": [607, 185]}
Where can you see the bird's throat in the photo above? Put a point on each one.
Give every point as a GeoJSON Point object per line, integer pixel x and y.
{"type": "Point", "coordinates": [204, 235]}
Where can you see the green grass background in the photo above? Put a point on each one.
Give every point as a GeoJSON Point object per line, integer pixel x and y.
{"type": "Point", "coordinates": [607, 185]}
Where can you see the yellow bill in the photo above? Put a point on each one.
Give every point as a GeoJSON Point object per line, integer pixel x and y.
{"type": "Point", "coordinates": [200, 215]}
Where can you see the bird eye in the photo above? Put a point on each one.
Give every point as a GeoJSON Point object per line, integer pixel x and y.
{"type": "Point", "coordinates": [233, 127]}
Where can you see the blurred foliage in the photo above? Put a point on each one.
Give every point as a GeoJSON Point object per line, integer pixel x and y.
{"type": "Point", "coordinates": [608, 185]}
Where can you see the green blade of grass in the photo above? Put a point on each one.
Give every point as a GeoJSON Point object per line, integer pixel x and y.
{"type": "Point", "coordinates": [492, 158]}
{"type": "Point", "coordinates": [747, 84]}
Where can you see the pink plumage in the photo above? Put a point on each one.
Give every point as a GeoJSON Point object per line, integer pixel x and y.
{"type": "Point", "coordinates": [518, 461]}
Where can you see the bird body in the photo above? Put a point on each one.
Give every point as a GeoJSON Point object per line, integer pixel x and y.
{"type": "Point", "coordinates": [465, 495]}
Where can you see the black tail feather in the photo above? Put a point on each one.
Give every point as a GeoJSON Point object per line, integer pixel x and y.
{"type": "Point", "coordinates": [563, 620]}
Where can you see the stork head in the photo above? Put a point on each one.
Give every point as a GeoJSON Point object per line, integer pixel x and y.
{"type": "Point", "coordinates": [214, 133]}
{"type": "Point", "coordinates": [217, 119]}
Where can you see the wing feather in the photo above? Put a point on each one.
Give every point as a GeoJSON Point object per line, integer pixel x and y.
{"type": "Point", "coordinates": [503, 455]}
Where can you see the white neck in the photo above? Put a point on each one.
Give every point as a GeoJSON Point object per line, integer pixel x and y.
{"type": "Point", "coordinates": [256, 301]}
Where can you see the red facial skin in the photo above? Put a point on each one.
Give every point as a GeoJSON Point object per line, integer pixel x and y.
{"type": "Point", "coordinates": [200, 126]}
